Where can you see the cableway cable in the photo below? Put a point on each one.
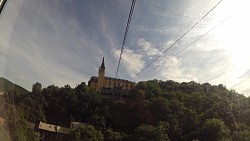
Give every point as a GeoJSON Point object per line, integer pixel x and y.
{"type": "Point", "coordinates": [125, 35]}
{"type": "Point", "coordinates": [191, 43]}
{"type": "Point", "coordinates": [179, 38]}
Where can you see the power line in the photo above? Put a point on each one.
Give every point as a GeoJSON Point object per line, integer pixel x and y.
{"type": "Point", "coordinates": [125, 35]}
{"type": "Point", "coordinates": [179, 38]}
{"type": "Point", "coordinates": [191, 43]}
{"type": "Point", "coordinates": [2, 3]}
{"type": "Point", "coordinates": [215, 74]}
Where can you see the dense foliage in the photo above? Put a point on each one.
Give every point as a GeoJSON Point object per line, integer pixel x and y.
{"type": "Point", "coordinates": [154, 110]}
{"type": "Point", "coordinates": [86, 133]}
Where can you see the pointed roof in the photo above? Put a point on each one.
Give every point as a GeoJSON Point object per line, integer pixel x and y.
{"type": "Point", "coordinates": [103, 66]}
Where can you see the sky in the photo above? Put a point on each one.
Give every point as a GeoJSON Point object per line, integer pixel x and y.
{"type": "Point", "coordinates": [63, 41]}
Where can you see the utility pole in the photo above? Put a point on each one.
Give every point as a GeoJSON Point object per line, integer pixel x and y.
{"type": "Point", "coordinates": [2, 3]}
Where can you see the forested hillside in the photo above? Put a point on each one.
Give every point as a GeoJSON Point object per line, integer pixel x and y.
{"type": "Point", "coordinates": [6, 85]}
{"type": "Point", "coordinates": [154, 110]}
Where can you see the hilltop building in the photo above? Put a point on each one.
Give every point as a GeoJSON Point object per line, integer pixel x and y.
{"type": "Point", "coordinates": [107, 85]}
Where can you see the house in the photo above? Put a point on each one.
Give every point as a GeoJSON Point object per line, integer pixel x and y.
{"type": "Point", "coordinates": [49, 132]}
{"type": "Point", "coordinates": [108, 85]}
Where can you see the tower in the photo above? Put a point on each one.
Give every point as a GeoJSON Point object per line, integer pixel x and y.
{"type": "Point", "coordinates": [101, 76]}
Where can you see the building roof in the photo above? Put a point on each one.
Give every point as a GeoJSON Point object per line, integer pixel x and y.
{"type": "Point", "coordinates": [53, 128]}
{"type": "Point", "coordinates": [47, 127]}
{"type": "Point", "coordinates": [103, 66]}
{"type": "Point", "coordinates": [94, 79]}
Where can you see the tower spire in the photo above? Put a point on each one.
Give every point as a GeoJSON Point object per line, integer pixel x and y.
{"type": "Point", "coordinates": [103, 66]}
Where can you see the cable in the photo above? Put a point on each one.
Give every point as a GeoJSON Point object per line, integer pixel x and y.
{"type": "Point", "coordinates": [179, 38]}
{"type": "Point", "coordinates": [191, 43]}
{"type": "Point", "coordinates": [215, 74]}
{"type": "Point", "coordinates": [2, 3]}
{"type": "Point", "coordinates": [125, 35]}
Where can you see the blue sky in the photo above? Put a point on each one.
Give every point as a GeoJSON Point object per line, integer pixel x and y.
{"type": "Point", "coordinates": [63, 41]}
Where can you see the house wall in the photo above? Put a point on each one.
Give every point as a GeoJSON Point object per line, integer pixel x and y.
{"type": "Point", "coordinates": [51, 136]}
{"type": "Point", "coordinates": [111, 83]}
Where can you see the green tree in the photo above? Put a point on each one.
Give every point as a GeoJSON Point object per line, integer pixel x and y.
{"type": "Point", "coordinates": [110, 135]}
{"type": "Point", "coordinates": [37, 87]}
{"type": "Point", "coordinates": [88, 107]}
{"type": "Point", "coordinates": [241, 136]}
{"type": "Point", "coordinates": [59, 104]}
{"type": "Point", "coordinates": [33, 104]}
{"type": "Point", "coordinates": [148, 132]}
{"type": "Point", "coordinates": [86, 133]}
{"type": "Point", "coordinates": [214, 130]}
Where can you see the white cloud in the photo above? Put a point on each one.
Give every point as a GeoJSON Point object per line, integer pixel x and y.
{"type": "Point", "coordinates": [132, 61]}
{"type": "Point", "coordinates": [243, 84]}
{"type": "Point", "coordinates": [168, 43]}
{"type": "Point", "coordinates": [172, 69]}
{"type": "Point", "coordinates": [147, 47]}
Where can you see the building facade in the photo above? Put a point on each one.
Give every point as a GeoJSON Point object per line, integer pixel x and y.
{"type": "Point", "coordinates": [106, 84]}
